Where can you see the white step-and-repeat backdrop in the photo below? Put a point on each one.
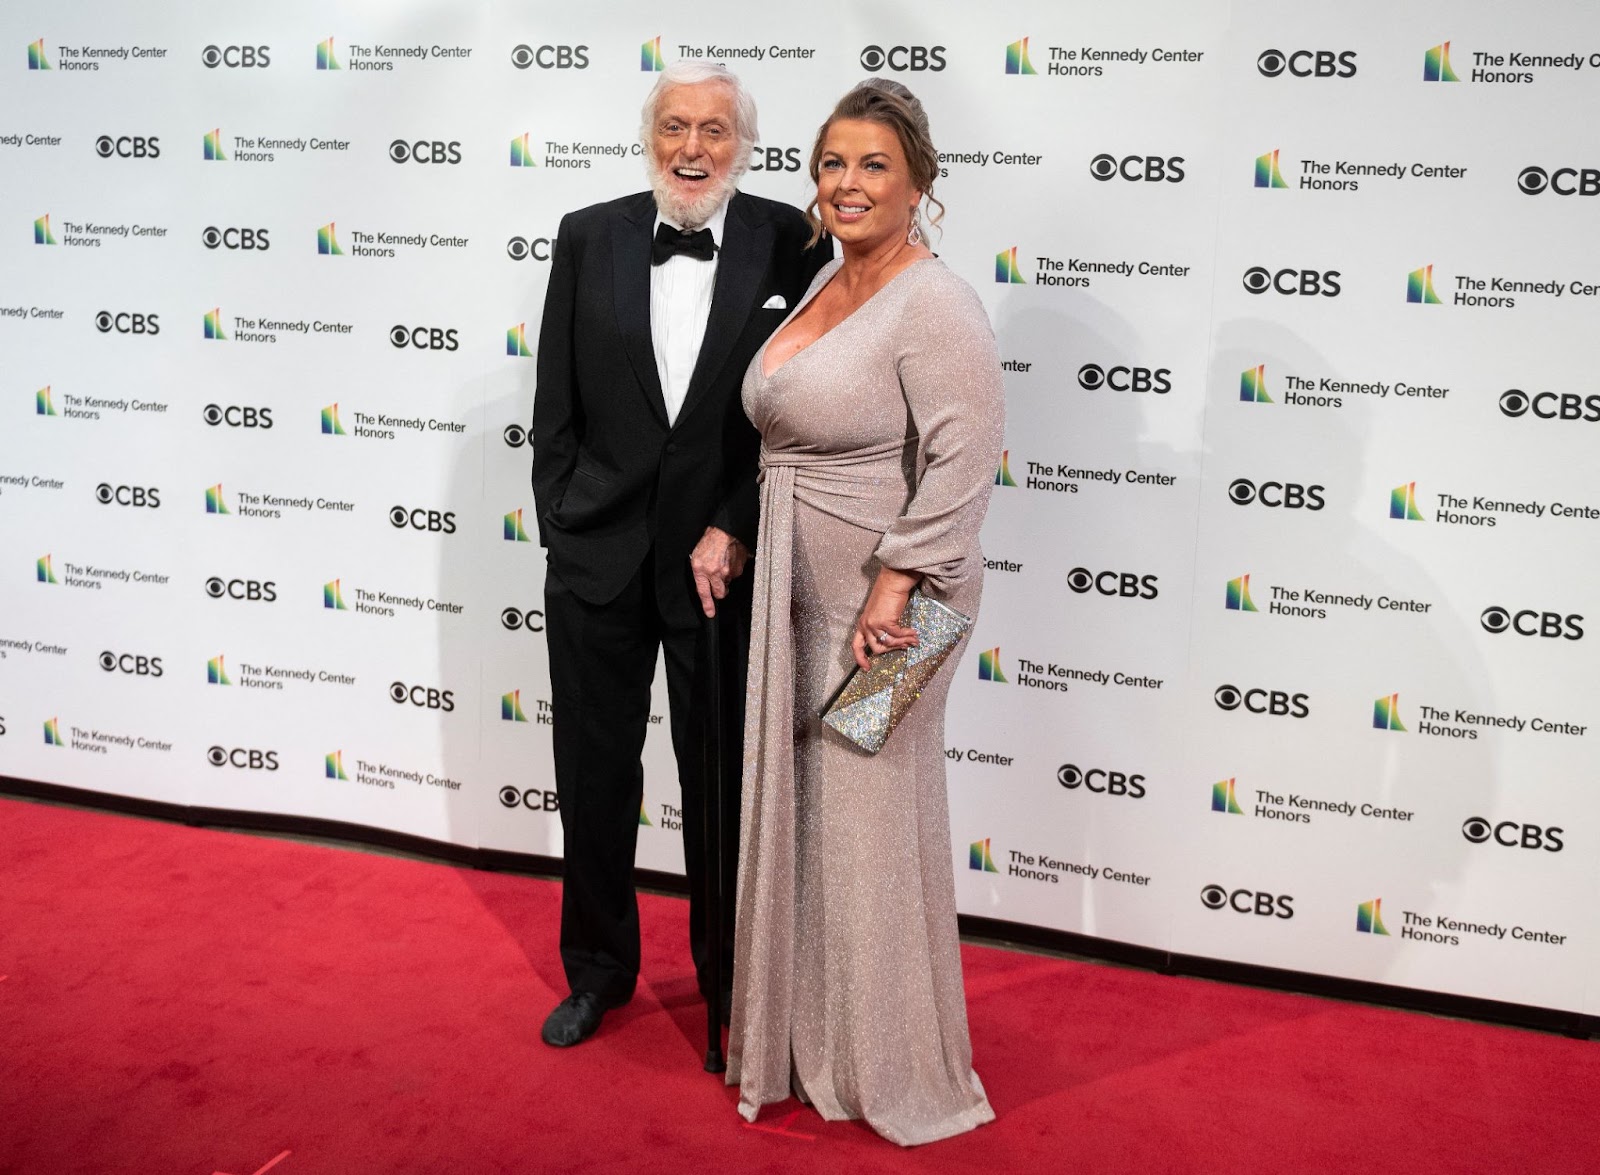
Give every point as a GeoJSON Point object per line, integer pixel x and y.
{"type": "Point", "coordinates": [1286, 653]}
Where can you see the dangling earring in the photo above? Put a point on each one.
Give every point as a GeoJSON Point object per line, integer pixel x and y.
{"type": "Point", "coordinates": [914, 237]}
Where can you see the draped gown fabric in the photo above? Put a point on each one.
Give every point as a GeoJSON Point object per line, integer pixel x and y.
{"type": "Point", "coordinates": [879, 445]}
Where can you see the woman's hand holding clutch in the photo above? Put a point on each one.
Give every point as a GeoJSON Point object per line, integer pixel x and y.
{"type": "Point", "coordinates": [878, 628]}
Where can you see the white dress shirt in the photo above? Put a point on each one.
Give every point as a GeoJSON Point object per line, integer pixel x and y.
{"type": "Point", "coordinates": [680, 303]}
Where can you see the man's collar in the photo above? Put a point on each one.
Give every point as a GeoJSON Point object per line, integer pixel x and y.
{"type": "Point", "coordinates": [715, 223]}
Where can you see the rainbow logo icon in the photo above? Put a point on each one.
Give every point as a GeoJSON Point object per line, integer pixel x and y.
{"type": "Point", "coordinates": [1403, 503]}
{"type": "Point", "coordinates": [1223, 798]}
{"type": "Point", "coordinates": [989, 666]}
{"type": "Point", "coordinates": [45, 572]}
{"type": "Point", "coordinates": [36, 57]}
{"type": "Point", "coordinates": [1002, 475]}
{"type": "Point", "coordinates": [327, 242]}
{"type": "Point", "coordinates": [214, 146]}
{"type": "Point", "coordinates": [513, 532]}
{"type": "Point", "coordinates": [517, 341]}
{"type": "Point", "coordinates": [650, 56]}
{"type": "Point", "coordinates": [521, 153]}
{"type": "Point", "coordinates": [333, 765]}
{"type": "Point", "coordinates": [330, 422]}
{"type": "Point", "coordinates": [644, 821]}
{"type": "Point", "coordinates": [1017, 59]}
{"type": "Point", "coordinates": [42, 404]}
{"type": "Point", "coordinates": [1267, 173]}
{"type": "Point", "coordinates": [326, 60]}
{"type": "Point", "coordinates": [332, 597]}
{"type": "Point", "coordinates": [1369, 917]}
{"type": "Point", "coordinates": [1005, 268]}
{"type": "Point", "coordinates": [214, 324]}
{"type": "Point", "coordinates": [979, 856]}
{"type": "Point", "coordinates": [1386, 713]}
{"type": "Point", "coordinates": [52, 733]}
{"type": "Point", "coordinates": [216, 672]}
{"type": "Point", "coordinates": [511, 707]}
{"type": "Point", "coordinates": [1436, 65]}
{"type": "Point", "coordinates": [214, 501]}
{"type": "Point", "coordinates": [1239, 595]}
{"type": "Point", "coordinates": [41, 231]}
{"type": "Point", "coordinates": [1419, 287]}
{"type": "Point", "coordinates": [1253, 385]}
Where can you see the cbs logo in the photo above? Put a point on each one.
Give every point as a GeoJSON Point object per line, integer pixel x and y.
{"type": "Point", "coordinates": [1287, 494]}
{"type": "Point", "coordinates": [1534, 180]}
{"type": "Point", "coordinates": [425, 151]}
{"type": "Point", "coordinates": [1304, 282]}
{"type": "Point", "coordinates": [515, 435]}
{"type": "Point", "coordinates": [775, 158]}
{"type": "Point", "coordinates": [1307, 63]}
{"type": "Point", "coordinates": [900, 58]}
{"type": "Point", "coordinates": [1101, 782]}
{"type": "Point", "coordinates": [236, 56]}
{"type": "Point", "coordinates": [1550, 405]}
{"type": "Point", "coordinates": [521, 248]}
{"type": "Point", "coordinates": [238, 416]}
{"type": "Point", "coordinates": [424, 696]}
{"type": "Point", "coordinates": [1513, 835]}
{"type": "Point", "coordinates": [242, 589]}
{"type": "Point", "coordinates": [437, 521]}
{"type": "Point", "coordinates": [106, 494]}
{"type": "Point", "coordinates": [1139, 168]}
{"type": "Point", "coordinates": [127, 323]}
{"type": "Point", "coordinates": [246, 758]}
{"type": "Point", "coordinates": [1125, 379]}
{"type": "Point", "coordinates": [128, 147]}
{"type": "Point", "coordinates": [1248, 901]}
{"type": "Point", "coordinates": [533, 799]}
{"type": "Point", "coordinates": [1113, 583]}
{"type": "Point", "coordinates": [133, 663]}
{"type": "Point", "coordinates": [513, 619]}
{"type": "Point", "coordinates": [235, 238]}
{"type": "Point", "coordinates": [551, 56]}
{"type": "Point", "coordinates": [1528, 622]}
{"type": "Point", "coordinates": [423, 338]}
{"type": "Point", "coordinates": [1278, 703]}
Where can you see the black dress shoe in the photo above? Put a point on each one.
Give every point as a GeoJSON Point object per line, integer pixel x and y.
{"type": "Point", "coordinates": [574, 1019]}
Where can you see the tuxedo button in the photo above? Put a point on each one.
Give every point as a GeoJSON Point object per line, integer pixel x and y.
{"type": "Point", "coordinates": [672, 446]}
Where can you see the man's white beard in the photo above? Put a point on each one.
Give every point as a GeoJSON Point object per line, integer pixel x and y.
{"type": "Point", "coordinates": [690, 213]}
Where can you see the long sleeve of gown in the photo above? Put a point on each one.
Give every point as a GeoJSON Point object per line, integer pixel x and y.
{"type": "Point", "coordinates": [950, 374]}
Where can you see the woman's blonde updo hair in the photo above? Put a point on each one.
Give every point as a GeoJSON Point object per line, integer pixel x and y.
{"type": "Point", "coordinates": [889, 104]}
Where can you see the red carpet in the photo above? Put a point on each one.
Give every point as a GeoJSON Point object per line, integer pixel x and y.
{"type": "Point", "coordinates": [186, 1002]}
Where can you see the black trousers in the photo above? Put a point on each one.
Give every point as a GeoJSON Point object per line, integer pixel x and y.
{"type": "Point", "coordinates": [602, 663]}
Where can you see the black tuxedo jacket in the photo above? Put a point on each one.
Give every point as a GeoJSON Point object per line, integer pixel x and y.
{"type": "Point", "coordinates": [611, 479]}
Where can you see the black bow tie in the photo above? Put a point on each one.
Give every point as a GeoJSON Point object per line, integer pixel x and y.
{"type": "Point", "coordinates": [670, 241]}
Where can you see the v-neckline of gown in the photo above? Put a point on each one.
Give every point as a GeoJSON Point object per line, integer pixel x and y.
{"type": "Point", "coordinates": [767, 377]}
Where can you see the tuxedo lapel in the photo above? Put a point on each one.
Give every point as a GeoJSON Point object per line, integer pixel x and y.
{"type": "Point", "coordinates": [741, 263]}
{"type": "Point", "coordinates": [630, 282]}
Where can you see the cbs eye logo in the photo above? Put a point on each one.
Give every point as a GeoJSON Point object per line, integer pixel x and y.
{"type": "Point", "coordinates": [1248, 901]}
{"type": "Point", "coordinates": [1100, 781]}
{"type": "Point", "coordinates": [1278, 703]}
{"type": "Point", "coordinates": [1113, 583]}
{"type": "Point", "coordinates": [136, 664]}
{"type": "Point", "coordinates": [1305, 282]}
{"type": "Point", "coordinates": [1091, 377]}
{"type": "Point", "coordinates": [437, 521]}
{"type": "Point", "coordinates": [1513, 835]}
{"type": "Point", "coordinates": [235, 56]}
{"type": "Point", "coordinates": [900, 58]}
{"type": "Point", "coordinates": [533, 798]}
{"type": "Point", "coordinates": [1138, 168]}
{"type": "Point", "coordinates": [245, 757]}
{"type": "Point", "coordinates": [242, 589]}
{"type": "Point", "coordinates": [424, 696]}
{"type": "Point", "coordinates": [1286, 494]}
{"type": "Point", "coordinates": [1533, 180]}
{"type": "Point", "coordinates": [513, 619]}
{"type": "Point", "coordinates": [235, 238]}
{"type": "Point", "coordinates": [128, 147]}
{"type": "Point", "coordinates": [127, 323]}
{"type": "Point", "coordinates": [521, 248]}
{"type": "Point", "coordinates": [1551, 405]}
{"type": "Point", "coordinates": [425, 151]}
{"type": "Point", "coordinates": [551, 56]}
{"type": "Point", "coordinates": [515, 435]}
{"type": "Point", "coordinates": [106, 494]}
{"type": "Point", "coordinates": [1531, 622]}
{"type": "Point", "coordinates": [1307, 63]}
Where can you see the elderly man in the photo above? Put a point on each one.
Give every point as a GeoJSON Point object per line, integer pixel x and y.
{"type": "Point", "coordinates": [644, 472]}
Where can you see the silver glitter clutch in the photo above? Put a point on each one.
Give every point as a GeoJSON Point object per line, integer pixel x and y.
{"type": "Point", "coordinates": [874, 699]}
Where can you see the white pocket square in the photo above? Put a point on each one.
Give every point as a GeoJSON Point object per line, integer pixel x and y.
{"type": "Point", "coordinates": [775, 302]}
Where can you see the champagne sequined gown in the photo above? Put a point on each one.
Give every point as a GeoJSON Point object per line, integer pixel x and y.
{"type": "Point", "coordinates": [879, 443]}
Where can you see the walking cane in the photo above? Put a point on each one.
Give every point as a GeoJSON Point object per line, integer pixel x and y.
{"type": "Point", "coordinates": [712, 788]}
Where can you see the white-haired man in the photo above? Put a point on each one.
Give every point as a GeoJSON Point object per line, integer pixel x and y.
{"type": "Point", "coordinates": [644, 471]}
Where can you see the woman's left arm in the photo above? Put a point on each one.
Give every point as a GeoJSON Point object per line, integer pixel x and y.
{"type": "Point", "coordinates": [950, 373]}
